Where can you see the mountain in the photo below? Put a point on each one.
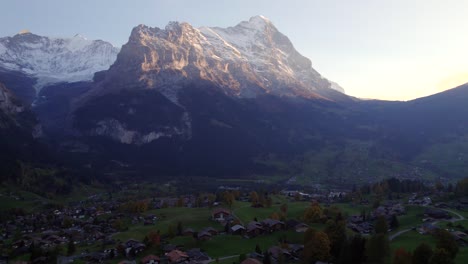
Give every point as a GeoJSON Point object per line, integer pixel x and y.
{"type": "Point", "coordinates": [48, 60]}
{"type": "Point", "coordinates": [241, 102]}
{"type": "Point", "coordinates": [250, 59]}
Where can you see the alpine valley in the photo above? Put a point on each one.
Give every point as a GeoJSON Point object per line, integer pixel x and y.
{"type": "Point", "coordinates": [237, 102]}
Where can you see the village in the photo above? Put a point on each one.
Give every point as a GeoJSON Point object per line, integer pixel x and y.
{"type": "Point", "coordinates": [229, 226]}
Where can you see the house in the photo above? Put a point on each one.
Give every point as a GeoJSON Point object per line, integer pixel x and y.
{"type": "Point", "coordinates": [292, 223]}
{"type": "Point", "coordinates": [355, 219]}
{"type": "Point", "coordinates": [441, 205]}
{"type": "Point", "coordinates": [251, 261]}
{"type": "Point", "coordinates": [296, 250]}
{"type": "Point", "coordinates": [131, 243]}
{"type": "Point", "coordinates": [272, 225]}
{"type": "Point", "coordinates": [177, 256]}
{"type": "Point", "coordinates": [254, 229]}
{"type": "Point", "coordinates": [220, 214]}
{"type": "Point", "coordinates": [188, 232]}
{"type": "Point", "coordinates": [210, 230]}
{"type": "Point", "coordinates": [95, 257]}
{"type": "Point", "coordinates": [437, 214]}
{"type": "Point", "coordinates": [460, 237]}
{"type": "Point", "coordinates": [196, 255]}
{"type": "Point", "coordinates": [150, 259]}
{"type": "Point", "coordinates": [361, 228]}
{"type": "Point", "coordinates": [238, 230]}
{"type": "Point", "coordinates": [169, 247]}
{"type": "Point", "coordinates": [301, 228]}
{"type": "Point", "coordinates": [427, 228]}
{"type": "Point", "coordinates": [204, 235]}
{"type": "Point", "coordinates": [276, 252]}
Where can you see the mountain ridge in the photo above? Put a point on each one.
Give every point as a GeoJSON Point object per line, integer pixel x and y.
{"type": "Point", "coordinates": [52, 60]}
{"type": "Point", "coordinates": [264, 62]}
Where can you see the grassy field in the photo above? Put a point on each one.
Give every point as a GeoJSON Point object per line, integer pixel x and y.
{"type": "Point", "coordinates": [246, 213]}
{"type": "Point", "coordinates": [226, 245]}
{"type": "Point", "coordinates": [196, 218]}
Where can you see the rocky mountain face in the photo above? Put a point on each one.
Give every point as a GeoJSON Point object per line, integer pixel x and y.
{"type": "Point", "coordinates": [18, 128]}
{"type": "Point", "coordinates": [8, 103]}
{"type": "Point", "coordinates": [250, 59]}
{"type": "Point", "coordinates": [53, 60]}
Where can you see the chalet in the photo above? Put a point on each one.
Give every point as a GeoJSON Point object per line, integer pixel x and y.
{"type": "Point", "coordinates": [296, 250]}
{"type": "Point", "coordinates": [437, 214]}
{"type": "Point", "coordinates": [361, 228]}
{"type": "Point", "coordinates": [188, 232]}
{"type": "Point", "coordinates": [220, 214]}
{"type": "Point", "coordinates": [441, 205]}
{"type": "Point", "coordinates": [237, 230]}
{"type": "Point", "coordinates": [292, 223]}
{"type": "Point", "coordinates": [254, 229]}
{"type": "Point", "coordinates": [210, 230]}
{"type": "Point", "coordinates": [150, 259]}
{"type": "Point", "coordinates": [95, 257]}
{"type": "Point", "coordinates": [133, 246]}
{"type": "Point", "coordinates": [427, 228]}
{"type": "Point", "coordinates": [169, 247]}
{"type": "Point", "coordinates": [204, 236]}
{"type": "Point", "coordinates": [301, 228]}
{"type": "Point", "coordinates": [272, 225]}
{"type": "Point", "coordinates": [276, 252]}
{"type": "Point", "coordinates": [355, 219]}
{"type": "Point", "coordinates": [177, 256]}
{"type": "Point", "coordinates": [195, 254]}
{"type": "Point", "coordinates": [131, 243]}
{"type": "Point", "coordinates": [460, 237]}
{"type": "Point", "coordinates": [251, 261]}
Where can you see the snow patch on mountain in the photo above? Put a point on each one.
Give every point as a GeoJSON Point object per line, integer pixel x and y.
{"type": "Point", "coordinates": [53, 60]}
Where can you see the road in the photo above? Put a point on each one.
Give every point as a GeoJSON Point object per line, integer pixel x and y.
{"type": "Point", "coordinates": [453, 220]}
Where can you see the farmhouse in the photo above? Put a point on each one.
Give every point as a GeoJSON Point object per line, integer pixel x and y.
{"type": "Point", "coordinates": [177, 256]}
{"type": "Point", "coordinates": [220, 214]}
{"type": "Point", "coordinates": [150, 259]}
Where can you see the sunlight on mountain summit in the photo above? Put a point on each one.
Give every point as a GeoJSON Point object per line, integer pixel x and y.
{"type": "Point", "coordinates": [453, 81]}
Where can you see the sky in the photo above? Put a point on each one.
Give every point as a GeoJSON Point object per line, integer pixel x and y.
{"type": "Point", "coordinates": [391, 50]}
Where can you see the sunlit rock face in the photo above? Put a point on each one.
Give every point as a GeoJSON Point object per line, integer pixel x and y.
{"type": "Point", "coordinates": [247, 60]}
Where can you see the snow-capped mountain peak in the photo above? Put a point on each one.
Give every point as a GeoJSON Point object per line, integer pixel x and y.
{"type": "Point", "coordinates": [53, 60]}
{"type": "Point", "coordinates": [246, 60]}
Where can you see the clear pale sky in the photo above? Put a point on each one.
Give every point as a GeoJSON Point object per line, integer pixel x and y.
{"type": "Point", "coordinates": [395, 50]}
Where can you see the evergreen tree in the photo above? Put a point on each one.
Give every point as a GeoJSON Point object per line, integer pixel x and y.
{"type": "Point", "coordinates": [71, 247]}
{"type": "Point", "coordinates": [317, 249]}
{"type": "Point", "coordinates": [401, 256]}
{"type": "Point", "coordinates": [377, 248]}
{"type": "Point", "coordinates": [394, 223]}
{"type": "Point", "coordinates": [336, 231]}
{"type": "Point", "coordinates": [266, 258]}
{"type": "Point", "coordinates": [441, 256]}
{"type": "Point", "coordinates": [446, 241]}
{"type": "Point", "coordinates": [422, 254]}
{"type": "Point", "coordinates": [179, 228]}
{"type": "Point", "coordinates": [381, 226]}
{"type": "Point", "coordinates": [242, 257]}
{"type": "Point", "coordinates": [258, 250]}
{"type": "Point", "coordinates": [357, 249]}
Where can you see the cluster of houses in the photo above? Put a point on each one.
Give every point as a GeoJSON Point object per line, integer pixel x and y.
{"type": "Point", "coordinates": [255, 228]}
{"type": "Point", "coordinates": [364, 225]}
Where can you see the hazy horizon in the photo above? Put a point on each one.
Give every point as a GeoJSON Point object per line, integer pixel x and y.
{"type": "Point", "coordinates": [393, 51]}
